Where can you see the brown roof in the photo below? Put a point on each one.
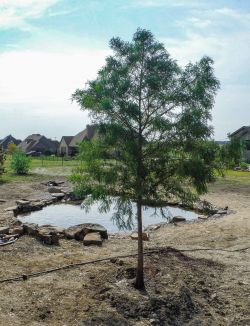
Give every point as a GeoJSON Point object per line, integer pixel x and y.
{"type": "Point", "coordinates": [39, 143]}
{"type": "Point", "coordinates": [241, 131]}
{"type": "Point", "coordinates": [67, 139]}
{"type": "Point", "coordinates": [86, 134]}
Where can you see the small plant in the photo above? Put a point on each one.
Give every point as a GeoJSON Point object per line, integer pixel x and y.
{"type": "Point", "coordinates": [20, 163]}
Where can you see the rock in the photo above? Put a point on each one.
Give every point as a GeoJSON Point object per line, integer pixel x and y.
{"type": "Point", "coordinates": [153, 227]}
{"type": "Point", "coordinates": [30, 229]}
{"type": "Point", "coordinates": [78, 232]}
{"type": "Point", "coordinates": [49, 238]}
{"type": "Point", "coordinates": [134, 236]}
{"type": "Point", "coordinates": [3, 200]}
{"type": "Point", "coordinates": [23, 202]}
{"type": "Point", "coordinates": [9, 209]}
{"type": "Point", "coordinates": [54, 190]}
{"type": "Point", "coordinates": [216, 215]}
{"type": "Point", "coordinates": [17, 223]}
{"type": "Point", "coordinates": [8, 237]}
{"type": "Point", "coordinates": [18, 230]}
{"type": "Point", "coordinates": [52, 230]}
{"type": "Point", "coordinates": [27, 206]}
{"type": "Point", "coordinates": [58, 195]}
{"type": "Point", "coordinates": [93, 238]}
{"type": "Point", "coordinates": [177, 219]}
{"type": "Point", "coordinates": [4, 229]}
{"type": "Point", "coordinates": [202, 217]}
{"type": "Point", "coordinates": [222, 211]}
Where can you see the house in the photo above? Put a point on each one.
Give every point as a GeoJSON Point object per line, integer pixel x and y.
{"type": "Point", "coordinates": [64, 149]}
{"type": "Point", "coordinates": [37, 143]}
{"type": "Point", "coordinates": [9, 140]}
{"type": "Point", "coordinates": [69, 146]}
{"type": "Point", "coordinates": [244, 134]}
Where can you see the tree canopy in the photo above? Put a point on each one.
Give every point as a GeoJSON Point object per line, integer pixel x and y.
{"type": "Point", "coordinates": [152, 118]}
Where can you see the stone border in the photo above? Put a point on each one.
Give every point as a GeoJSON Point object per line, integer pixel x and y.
{"type": "Point", "coordinates": [49, 234]}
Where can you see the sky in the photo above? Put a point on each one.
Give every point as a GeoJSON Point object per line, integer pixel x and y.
{"type": "Point", "coordinates": [49, 48]}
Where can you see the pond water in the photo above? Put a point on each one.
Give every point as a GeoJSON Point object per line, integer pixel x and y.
{"type": "Point", "coordinates": [66, 215]}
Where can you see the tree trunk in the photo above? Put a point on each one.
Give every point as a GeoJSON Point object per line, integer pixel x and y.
{"type": "Point", "coordinates": [139, 283]}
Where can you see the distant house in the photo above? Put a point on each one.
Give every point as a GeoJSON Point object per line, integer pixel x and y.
{"type": "Point", "coordinates": [69, 145]}
{"type": "Point", "coordinates": [244, 134]}
{"type": "Point", "coordinates": [39, 144]}
{"type": "Point", "coordinates": [64, 149]}
{"type": "Point", "coordinates": [9, 140]}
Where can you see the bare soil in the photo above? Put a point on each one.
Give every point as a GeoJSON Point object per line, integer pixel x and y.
{"type": "Point", "coordinates": [201, 287]}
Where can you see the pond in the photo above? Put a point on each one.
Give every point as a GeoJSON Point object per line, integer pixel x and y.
{"type": "Point", "coordinates": [66, 215]}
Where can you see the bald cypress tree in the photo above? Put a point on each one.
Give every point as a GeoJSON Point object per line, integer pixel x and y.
{"type": "Point", "coordinates": [153, 125]}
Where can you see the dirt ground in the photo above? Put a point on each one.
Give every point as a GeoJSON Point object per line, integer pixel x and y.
{"type": "Point", "coordinates": [201, 287]}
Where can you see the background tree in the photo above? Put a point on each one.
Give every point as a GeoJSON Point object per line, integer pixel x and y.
{"type": "Point", "coordinates": [233, 152]}
{"type": "Point", "coordinates": [152, 119]}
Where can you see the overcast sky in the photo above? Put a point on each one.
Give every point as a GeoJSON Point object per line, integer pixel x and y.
{"type": "Point", "coordinates": [48, 48]}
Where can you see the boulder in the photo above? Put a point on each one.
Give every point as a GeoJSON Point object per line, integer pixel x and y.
{"type": "Point", "coordinates": [49, 238]}
{"type": "Point", "coordinates": [134, 236]}
{"type": "Point", "coordinates": [78, 232]}
{"type": "Point", "coordinates": [52, 230]}
{"type": "Point", "coordinates": [153, 227]}
{"type": "Point", "coordinates": [17, 230]}
{"type": "Point", "coordinates": [54, 190]}
{"type": "Point", "coordinates": [58, 195]}
{"type": "Point", "coordinates": [222, 211]}
{"type": "Point", "coordinates": [202, 217]}
{"type": "Point", "coordinates": [8, 237]}
{"type": "Point", "coordinates": [177, 219]}
{"type": "Point", "coordinates": [23, 202]}
{"type": "Point", "coordinates": [27, 206]}
{"type": "Point", "coordinates": [4, 230]}
{"type": "Point", "coordinates": [30, 229]}
{"type": "Point", "coordinates": [93, 238]}
{"type": "Point", "coordinates": [9, 209]}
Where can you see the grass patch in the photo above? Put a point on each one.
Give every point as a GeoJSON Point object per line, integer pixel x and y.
{"type": "Point", "coordinates": [49, 165]}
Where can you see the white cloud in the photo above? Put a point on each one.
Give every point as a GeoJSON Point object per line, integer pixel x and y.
{"type": "Point", "coordinates": [162, 3]}
{"type": "Point", "coordinates": [36, 89]}
{"type": "Point", "coordinates": [15, 13]}
{"type": "Point", "coordinates": [35, 76]}
{"type": "Point", "coordinates": [229, 47]}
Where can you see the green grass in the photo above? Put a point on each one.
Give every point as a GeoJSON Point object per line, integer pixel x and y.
{"type": "Point", "coordinates": [48, 165]}
{"type": "Point", "coordinates": [237, 177]}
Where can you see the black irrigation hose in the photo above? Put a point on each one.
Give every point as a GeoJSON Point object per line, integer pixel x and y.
{"type": "Point", "coordinates": [147, 252]}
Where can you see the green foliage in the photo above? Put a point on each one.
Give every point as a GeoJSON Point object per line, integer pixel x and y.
{"type": "Point", "coordinates": [232, 153]}
{"type": "Point", "coordinates": [11, 148]}
{"type": "Point", "coordinates": [20, 163]}
{"type": "Point", "coordinates": [153, 125]}
{"type": "Point", "coordinates": [2, 159]}
{"type": "Point", "coordinates": [244, 165]}
{"type": "Point", "coordinates": [153, 120]}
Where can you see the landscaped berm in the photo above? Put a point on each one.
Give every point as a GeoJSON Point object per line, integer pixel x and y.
{"type": "Point", "coordinates": [195, 273]}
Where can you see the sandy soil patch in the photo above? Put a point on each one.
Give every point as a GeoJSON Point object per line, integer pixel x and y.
{"type": "Point", "coordinates": [189, 288]}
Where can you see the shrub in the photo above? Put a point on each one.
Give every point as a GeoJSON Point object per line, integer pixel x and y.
{"type": "Point", "coordinates": [2, 159]}
{"type": "Point", "coordinates": [244, 165]}
{"type": "Point", "coordinates": [20, 163]}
